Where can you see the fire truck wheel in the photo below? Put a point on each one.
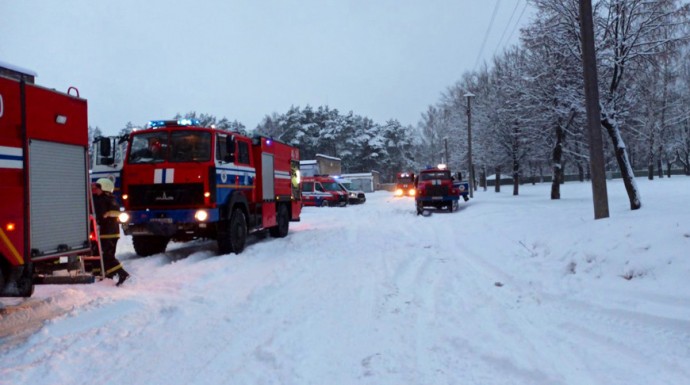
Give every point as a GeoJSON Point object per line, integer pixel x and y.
{"type": "Point", "coordinates": [283, 223]}
{"type": "Point", "coordinates": [23, 285]}
{"type": "Point", "coordinates": [233, 238]}
{"type": "Point", "coordinates": [146, 245]}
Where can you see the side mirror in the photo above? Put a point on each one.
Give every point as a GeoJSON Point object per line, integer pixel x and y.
{"type": "Point", "coordinates": [104, 147]}
{"type": "Point", "coordinates": [105, 151]}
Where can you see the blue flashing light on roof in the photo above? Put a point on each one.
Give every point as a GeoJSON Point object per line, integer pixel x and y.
{"type": "Point", "coordinates": [168, 123]}
{"type": "Point", "coordinates": [155, 124]}
{"type": "Point", "coordinates": [269, 141]}
{"type": "Point", "coordinates": [188, 122]}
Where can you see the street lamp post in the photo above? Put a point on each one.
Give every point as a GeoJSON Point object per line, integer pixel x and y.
{"type": "Point", "coordinates": [470, 172]}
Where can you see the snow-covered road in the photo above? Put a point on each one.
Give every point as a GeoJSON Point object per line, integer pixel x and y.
{"type": "Point", "coordinates": [507, 290]}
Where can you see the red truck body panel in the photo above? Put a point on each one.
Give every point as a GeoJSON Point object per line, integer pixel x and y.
{"type": "Point", "coordinates": [44, 191]}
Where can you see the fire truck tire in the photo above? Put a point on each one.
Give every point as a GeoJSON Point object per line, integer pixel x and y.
{"type": "Point", "coordinates": [233, 237]}
{"type": "Point", "coordinates": [146, 245]}
{"type": "Point", "coordinates": [21, 286]}
{"type": "Point", "coordinates": [283, 223]}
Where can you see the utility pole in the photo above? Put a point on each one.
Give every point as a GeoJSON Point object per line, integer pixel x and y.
{"type": "Point", "coordinates": [445, 143]}
{"type": "Point", "coordinates": [596, 149]}
{"type": "Point", "coordinates": [470, 173]}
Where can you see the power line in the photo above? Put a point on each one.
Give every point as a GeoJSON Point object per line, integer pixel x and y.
{"type": "Point", "coordinates": [518, 22]}
{"type": "Point", "coordinates": [500, 41]}
{"type": "Point", "coordinates": [486, 35]}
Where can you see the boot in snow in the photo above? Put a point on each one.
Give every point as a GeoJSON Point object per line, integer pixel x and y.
{"type": "Point", "coordinates": [122, 277]}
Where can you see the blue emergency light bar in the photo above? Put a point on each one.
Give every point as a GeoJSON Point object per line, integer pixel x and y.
{"type": "Point", "coordinates": [169, 123]}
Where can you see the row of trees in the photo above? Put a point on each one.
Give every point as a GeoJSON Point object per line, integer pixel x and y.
{"type": "Point", "coordinates": [528, 113]}
{"type": "Point", "coordinates": [360, 143]}
{"type": "Point", "coordinates": [529, 108]}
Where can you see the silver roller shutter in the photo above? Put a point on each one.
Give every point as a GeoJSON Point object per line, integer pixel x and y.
{"type": "Point", "coordinates": [59, 204]}
{"type": "Point", "coordinates": [267, 177]}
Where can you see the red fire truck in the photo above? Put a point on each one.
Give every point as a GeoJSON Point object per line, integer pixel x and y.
{"type": "Point", "coordinates": [44, 194]}
{"type": "Point", "coordinates": [182, 181]}
{"type": "Point", "coordinates": [404, 184]}
{"type": "Point", "coordinates": [436, 188]}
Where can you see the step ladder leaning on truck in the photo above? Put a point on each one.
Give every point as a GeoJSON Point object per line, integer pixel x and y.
{"type": "Point", "coordinates": [47, 232]}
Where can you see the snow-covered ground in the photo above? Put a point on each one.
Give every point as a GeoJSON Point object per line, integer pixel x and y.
{"type": "Point", "coordinates": [507, 290]}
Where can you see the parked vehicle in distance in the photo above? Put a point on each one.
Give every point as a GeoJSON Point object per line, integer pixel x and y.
{"type": "Point", "coordinates": [312, 197]}
{"type": "Point", "coordinates": [463, 186]}
{"type": "Point", "coordinates": [354, 196]}
{"type": "Point", "coordinates": [436, 188]}
{"type": "Point", "coordinates": [316, 186]}
{"type": "Point", "coordinates": [404, 184]}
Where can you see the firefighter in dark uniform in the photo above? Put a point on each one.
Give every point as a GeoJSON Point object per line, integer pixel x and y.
{"type": "Point", "coordinates": [107, 211]}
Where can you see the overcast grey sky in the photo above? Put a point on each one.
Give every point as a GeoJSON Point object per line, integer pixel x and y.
{"type": "Point", "coordinates": [245, 59]}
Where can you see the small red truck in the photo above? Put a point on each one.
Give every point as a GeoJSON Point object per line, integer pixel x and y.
{"type": "Point", "coordinates": [436, 188]}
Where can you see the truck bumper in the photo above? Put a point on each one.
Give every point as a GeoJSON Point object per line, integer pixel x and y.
{"type": "Point", "coordinates": [435, 199]}
{"type": "Point", "coordinates": [171, 223]}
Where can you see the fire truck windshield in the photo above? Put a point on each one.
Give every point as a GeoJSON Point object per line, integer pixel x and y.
{"type": "Point", "coordinates": [171, 146]}
{"type": "Point", "coordinates": [435, 175]}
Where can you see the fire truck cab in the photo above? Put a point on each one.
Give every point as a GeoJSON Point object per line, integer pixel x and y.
{"type": "Point", "coordinates": [107, 159]}
{"type": "Point", "coordinates": [183, 181]}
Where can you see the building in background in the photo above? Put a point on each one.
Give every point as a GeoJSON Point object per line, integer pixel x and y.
{"type": "Point", "coordinates": [322, 165]}
{"type": "Point", "coordinates": [365, 181]}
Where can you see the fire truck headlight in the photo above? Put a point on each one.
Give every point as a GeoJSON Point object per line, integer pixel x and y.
{"type": "Point", "coordinates": [201, 215]}
{"type": "Point", "coordinates": [398, 192]}
{"type": "Point", "coordinates": [123, 217]}
{"type": "Point", "coordinates": [125, 197]}
{"type": "Point", "coordinates": [412, 192]}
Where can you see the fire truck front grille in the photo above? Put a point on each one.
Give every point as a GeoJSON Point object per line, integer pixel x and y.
{"type": "Point", "coordinates": [437, 191]}
{"type": "Point", "coordinates": [165, 195]}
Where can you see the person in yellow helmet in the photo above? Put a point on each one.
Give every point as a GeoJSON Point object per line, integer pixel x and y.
{"type": "Point", "coordinates": [107, 211]}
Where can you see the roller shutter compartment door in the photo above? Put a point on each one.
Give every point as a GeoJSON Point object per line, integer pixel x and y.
{"type": "Point", "coordinates": [59, 204]}
{"type": "Point", "coordinates": [267, 177]}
